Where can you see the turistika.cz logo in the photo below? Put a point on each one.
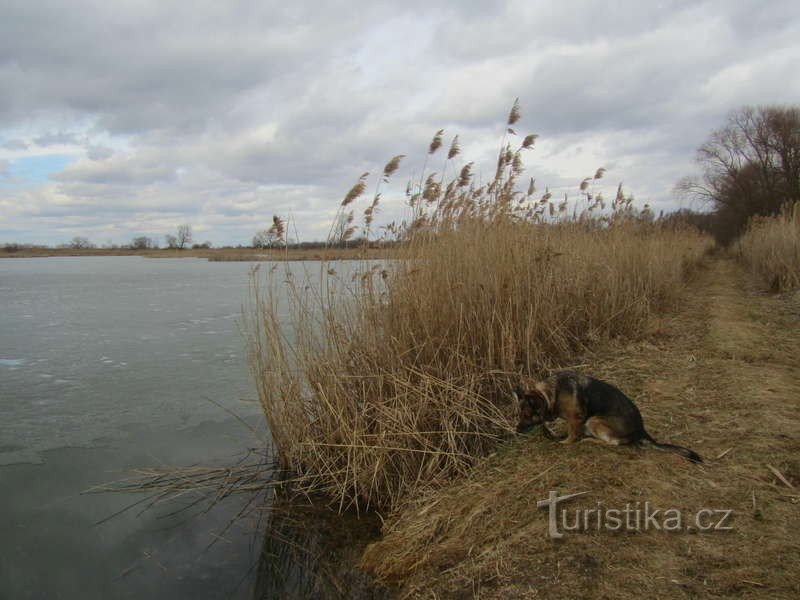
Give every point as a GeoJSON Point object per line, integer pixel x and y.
{"type": "Point", "coordinates": [632, 518]}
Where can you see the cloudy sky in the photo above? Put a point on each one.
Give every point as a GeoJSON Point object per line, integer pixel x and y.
{"type": "Point", "coordinates": [129, 118]}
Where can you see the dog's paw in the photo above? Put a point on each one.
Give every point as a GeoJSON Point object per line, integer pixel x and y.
{"type": "Point", "coordinates": [552, 435]}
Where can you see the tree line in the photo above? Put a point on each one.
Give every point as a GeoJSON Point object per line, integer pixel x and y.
{"type": "Point", "coordinates": [748, 167]}
{"type": "Point", "coordinates": [180, 240]}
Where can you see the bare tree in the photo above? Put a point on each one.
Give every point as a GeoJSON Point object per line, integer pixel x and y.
{"type": "Point", "coordinates": [142, 243]}
{"type": "Point", "coordinates": [749, 167]}
{"type": "Point", "coordinates": [80, 243]}
{"type": "Point", "coordinates": [171, 241]}
{"type": "Point", "coordinates": [184, 236]}
{"type": "Point", "coordinates": [265, 239]}
{"type": "Point", "coordinates": [273, 237]}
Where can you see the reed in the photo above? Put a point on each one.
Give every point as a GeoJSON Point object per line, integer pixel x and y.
{"type": "Point", "coordinates": [770, 247]}
{"type": "Point", "coordinates": [377, 382]}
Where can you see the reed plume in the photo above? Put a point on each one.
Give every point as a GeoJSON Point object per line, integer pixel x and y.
{"type": "Point", "coordinates": [399, 375]}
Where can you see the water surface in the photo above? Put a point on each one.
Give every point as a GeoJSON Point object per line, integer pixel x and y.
{"type": "Point", "coordinates": [108, 364]}
{"type": "Point", "coordinates": [92, 347]}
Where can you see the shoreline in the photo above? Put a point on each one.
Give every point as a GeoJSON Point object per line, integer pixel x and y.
{"type": "Point", "coordinates": [215, 254]}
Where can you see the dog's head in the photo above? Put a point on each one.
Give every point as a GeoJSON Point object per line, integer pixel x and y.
{"type": "Point", "coordinates": [533, 408]}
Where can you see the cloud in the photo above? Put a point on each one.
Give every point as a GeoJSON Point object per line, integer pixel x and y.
{"type": "Point", "coordinates": [99, 152]}
{"type": "Point", "coordinates": [14, 145]}
{"type": "Point", "coordinates": [57, 138]}
{"type": "Point", "coordinates": [121, 170]}
{"type": "Point", "coordinates": [225, 114]}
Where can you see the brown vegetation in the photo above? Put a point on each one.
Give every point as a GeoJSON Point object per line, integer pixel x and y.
{"type": "Point", "coordinates": [771, 248]}
{"type": "Point", "coordinates": [303, 252]}
{"type": "Point", "coordinates": [721, 375]}
{"type": "Point", "coordinates": [379, 387]}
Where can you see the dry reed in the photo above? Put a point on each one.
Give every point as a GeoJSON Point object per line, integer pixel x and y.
{"type": "Point", "coordinates": [771, 248]}
{"type": "Point", "coordinates": [375, 385]}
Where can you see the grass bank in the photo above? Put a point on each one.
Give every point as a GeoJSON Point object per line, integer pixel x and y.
{"type": "Point", "coordinates": [721, 375]}
{"type": "Point", "coordinates": [212, 254]}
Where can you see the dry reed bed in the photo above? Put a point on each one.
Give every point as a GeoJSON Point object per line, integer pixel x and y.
{"type": "Point", "coordinates": [375, 384]}
{"type": "Point", "coordinates": [382, 384]}
{"type": "Point", "coordinates": [771, 249]}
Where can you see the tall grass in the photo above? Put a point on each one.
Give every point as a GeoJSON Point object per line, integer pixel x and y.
{"type": "Point", "coordinates": [771, 248]}
{"type": "Point", "coordinates": [380, 383]}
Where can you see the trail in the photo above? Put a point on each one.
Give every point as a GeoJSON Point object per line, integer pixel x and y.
{"type": "Point", "coordinates": [721, 376]}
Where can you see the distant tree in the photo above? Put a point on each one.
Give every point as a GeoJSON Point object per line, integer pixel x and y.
{"type": "Point", "coordinates": [266, 238]}
{"type": "Point", "coordinates": [142, 243]}
{"type": "Point", "coordinates": [273, 237]}
{"type": "Point", "coordinates": [171, 241]}
{"type": "Point", "coordinates": [184, 236]}
{"type": "Point", "coordinates": [749, 167]}
{"type": "Point", "coordinates": [203, 246]}
{"type": "Point", "coordinates": [704, 221]}
{"type": "Point", "coordinates": [80, 243]}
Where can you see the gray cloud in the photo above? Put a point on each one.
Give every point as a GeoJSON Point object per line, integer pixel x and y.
{"type": "Point", "coordinates": [144, 66]}
{"type": "Point", "coordinates": [229, 112]}
{"type": "Point", "coordinates": [57, 138]}
{"type": "Point", "coordinates": [14, 145]}
{"type": "Point", "coordinates": [99, 152]}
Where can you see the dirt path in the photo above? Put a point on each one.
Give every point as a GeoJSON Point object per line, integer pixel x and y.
{"type": "Point", "coordinates": [722, 376]}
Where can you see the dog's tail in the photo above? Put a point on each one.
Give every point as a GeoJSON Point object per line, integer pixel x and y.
{"type": "Point", "coordinates": [648, 442]}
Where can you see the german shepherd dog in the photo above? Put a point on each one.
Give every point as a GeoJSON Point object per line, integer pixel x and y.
{"type": "Point", "coordinates": [590, 407]}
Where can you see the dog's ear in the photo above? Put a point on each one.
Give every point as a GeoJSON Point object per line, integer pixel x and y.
{"type": "Point", "coordinates": [539, 402]}
{"type": "Point", "coordinates": [530, 409]}
{"type": "Point", "coordinates": [544, 387]}
{"type": "Point", "coordinates": [521, 398]}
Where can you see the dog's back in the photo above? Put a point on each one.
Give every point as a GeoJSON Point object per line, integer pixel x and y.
{"type": "Point", "coordinates": [603, 410]}
{"type": "Point", "coordinates": [603, 399]}
{"type": "Point", "coordinates": [597, 398]}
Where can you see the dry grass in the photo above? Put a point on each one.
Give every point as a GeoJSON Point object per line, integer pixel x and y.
{"type": "Point", "coordinates": [771, 249]}
{"type": "Point", "coordinates": [397, 377]}
{"type": "Point", "coordinates": [720, 376]}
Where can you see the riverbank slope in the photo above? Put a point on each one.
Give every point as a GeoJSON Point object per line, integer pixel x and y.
{"type": "Point", "coordinates": [720, 376]}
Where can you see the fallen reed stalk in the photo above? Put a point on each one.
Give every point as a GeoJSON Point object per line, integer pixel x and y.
{"type": "Point", "coordinates": [200, 487]}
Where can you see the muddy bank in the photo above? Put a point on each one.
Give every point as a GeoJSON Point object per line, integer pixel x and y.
{"type": "Point", "coordinates": [313, 553]}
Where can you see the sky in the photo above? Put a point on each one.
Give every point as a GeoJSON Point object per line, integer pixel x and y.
{"type": "Point", "coordinates": [120, 119]}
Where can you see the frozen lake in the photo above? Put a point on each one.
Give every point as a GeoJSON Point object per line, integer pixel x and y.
{"type": "Point", "coordinates": [107, 364]}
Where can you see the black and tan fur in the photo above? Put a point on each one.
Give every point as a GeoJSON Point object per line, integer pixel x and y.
{"type": "Point", "coordinates": [590, 407]}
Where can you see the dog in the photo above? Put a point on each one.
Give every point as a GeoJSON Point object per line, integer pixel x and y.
{"type": "Point", "coordinates": [590, 407]}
